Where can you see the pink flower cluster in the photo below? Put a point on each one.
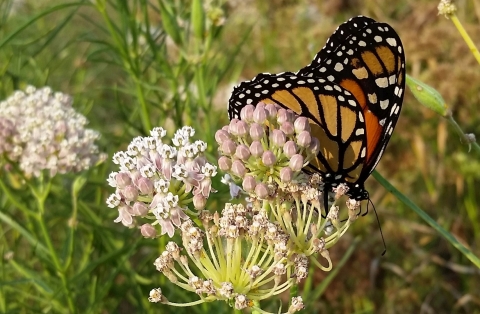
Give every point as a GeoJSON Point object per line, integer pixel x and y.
{"type": "Point", "coordinates": [158, 182]}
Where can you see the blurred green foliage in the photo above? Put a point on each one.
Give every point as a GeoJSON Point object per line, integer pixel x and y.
{"type": "Point", "coordinates": [132, 65]}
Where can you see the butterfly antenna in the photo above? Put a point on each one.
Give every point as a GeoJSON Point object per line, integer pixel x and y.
{"type": "Point", "coordinates": [379, 227]}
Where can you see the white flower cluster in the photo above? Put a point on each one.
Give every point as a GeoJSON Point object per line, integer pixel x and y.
{"type": "Point", "coordinates": [158, 182]}
{"type": "Point", "coordinates": [41, 130]}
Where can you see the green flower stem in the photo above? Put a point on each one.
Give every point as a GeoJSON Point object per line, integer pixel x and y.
{"type": "Point", "coordinates": [460, 132]}
{"type": "Point", "coordinates": [447, 235]}
{"type": "Point", "coordinates": [40, 195]}
{"type": "Point", "coordinates": [465, 36]}
{"type": "Point", "coordinates": [257, 309]}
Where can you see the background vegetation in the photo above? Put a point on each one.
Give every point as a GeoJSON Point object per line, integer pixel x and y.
{"type": "Point", "coordinates": [132, 65]}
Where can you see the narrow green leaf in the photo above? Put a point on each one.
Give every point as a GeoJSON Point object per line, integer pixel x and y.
{"type": "Point", "coordinates": [33, 277]}
{"type": "Point", "coordinates": [198, 18]}
{"type": "Point", "coordinates": [24, 232]}
{"type": "Point", "coordinates": [444, 233]}
{"type": "Point", "coordinates": [8, 38]}
{"type": "Point", "coordinates": [169, 23]}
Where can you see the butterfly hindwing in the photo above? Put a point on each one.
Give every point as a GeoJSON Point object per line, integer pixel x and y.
{"type": "Point", "coordinates": [336, 118]}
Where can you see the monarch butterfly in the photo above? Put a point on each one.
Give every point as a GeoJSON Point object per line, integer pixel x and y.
{"type": "Point", "coordinates": [351, 93]}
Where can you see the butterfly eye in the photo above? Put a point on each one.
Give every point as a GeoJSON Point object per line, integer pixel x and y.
{"type": "Point", "coordinates": [350, 96]}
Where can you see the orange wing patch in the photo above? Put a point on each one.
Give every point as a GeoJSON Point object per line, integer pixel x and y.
{"type": "Point", "coordinates": [356, 90]}
{"type": "Point", "coordinates": [329, 148]}
{"type": "Point", "coordinates": [387, 57]}
{"type": "Point", "coordinates": [329, 105]}
{"type": "Point", "coordinates": [308, 98]}
{"type": "Point", "coordinates": [287, 99]}
{"type": "Point", "coordinates": [372, 63]}
{"type": "Point", "coordinates": [374, 131]}
{"type": "Point", "coordinates": [349, 120]}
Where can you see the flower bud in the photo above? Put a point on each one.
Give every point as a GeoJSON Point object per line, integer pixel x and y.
{"type": "Point", "coordinates": [284, 115]}
{"type": "Point", "coordinates": [238, 168]}
{"type": "Point", "coordinates": [271, 111]}
{"type": "Point", "coordinates": [290, 149]}
{"type": "Point", "coordinates": [304, 139]}
{"type": "Point", "coordinates": [278, 138]}
{"type": "Point", "coordinates": [221, 136]}
{"type": "Point", "coordinates": [296, 162]}
{"type": "Point", "coordinates": [286, 174]}
{"type": "Point", "coordinates": [261, 190]}
{"type": "Point", "coordinates": [232, 127]}
{"type": "Point", "coordinates": [145, 186]}
{"type": "Point", "coordinates": [249, 183]}
{"type": "Point", "coordinates": [139, 209]}
{"type": "Point", "coordinates": [130, 193]}
{"type": "Point", "coordinates": [314, 146]}
{"type": "Point", "coordinates": [199, 201]}
{"type": "Point", "coordinates": [122, 179]}
{"type": "Point", "coordinates": [242, 152]}
{"type": "Point", "coordinates": [268, 158]}
{"type": "Point", "coordinates": [301, 124]}
{"type": "Point", "coordinates": [246, 114]}
{"type": "Point", "coordinates": [287, 128]}
{"type": "Point", "coordinates": [256, 131]}
{"type": "Point", "coordinates": [224, 163]}
{"type": "Point", "coordinates": [260, 114]}
{"type": "Point", "coordinates": [148, 231]}
{"type": "Point", "coordinates": [256, 149]}
{"type": "Point", "coordinates": [242, 128]}
{"type": "Point", "coordinates": [228, 147]}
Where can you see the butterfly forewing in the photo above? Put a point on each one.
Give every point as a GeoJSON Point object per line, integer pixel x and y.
{"type": "Point", "coordinates": [352, 92]}
{"type": "Point", "coordinates": [366, 58]}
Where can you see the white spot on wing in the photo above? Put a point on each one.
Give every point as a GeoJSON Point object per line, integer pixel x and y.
{"type": "Point", "coordinates": [392, 79]}
{"type": "Point", "coordinates": [382, 82]}
{"type": "Point", "coordinates": [338, 67]}
{"type": "Point", "coordinates": [364, 151]}
{"type": "Point", "coordinates": [384, 104]}
{"type": "Point", "coordinates": [392, 41]}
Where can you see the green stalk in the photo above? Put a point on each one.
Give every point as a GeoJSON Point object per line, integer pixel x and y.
{"type": "Point", "coordinates": [40, 196]}
{"type": "Point", "coordinates": [447, 235]}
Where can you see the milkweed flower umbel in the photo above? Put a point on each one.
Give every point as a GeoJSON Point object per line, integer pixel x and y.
{"type": "Point", "coordinates": [262, 246]}
{"type": "Point", "coordinates": [267, 152]}
{"type": "Point", "coordinates": [40, 130]}
{"type": "Point", "coordinates": [239, 257]}
{"type": "Point", "coordinates": [159, 184]}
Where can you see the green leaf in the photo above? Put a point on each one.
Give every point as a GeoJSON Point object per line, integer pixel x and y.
{"type": "Point", "coordinates": [169, 23]}
{"type": "Point", "coordinates": [444, 233]}
{"type": "Point", "coordinates": [198, 18]}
